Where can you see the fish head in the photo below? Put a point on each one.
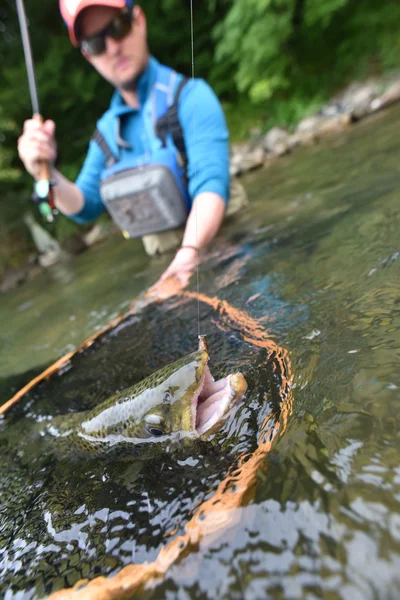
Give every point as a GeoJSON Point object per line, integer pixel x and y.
{"type": "Point", "coordinates": [180, 400]}
{"type": "Point", "coordinates": [194, 403]}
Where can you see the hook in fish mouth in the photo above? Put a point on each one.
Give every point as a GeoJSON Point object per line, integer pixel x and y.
{"type": "Point", "coordinates": [213, 399]}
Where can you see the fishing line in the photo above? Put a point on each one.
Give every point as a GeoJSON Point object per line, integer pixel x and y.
{"type": "Point", "coordinates": [195, 171]}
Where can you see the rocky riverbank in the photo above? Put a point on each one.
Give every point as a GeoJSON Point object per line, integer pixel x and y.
{"type": "Point", "coordinates": [355, 102]}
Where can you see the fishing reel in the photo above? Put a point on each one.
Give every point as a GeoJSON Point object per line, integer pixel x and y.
{"type": "Point", "coordinates": [43, 197]}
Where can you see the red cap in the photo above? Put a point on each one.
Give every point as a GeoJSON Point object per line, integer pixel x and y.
{"type": "Point", "coordinates": [70, 10]}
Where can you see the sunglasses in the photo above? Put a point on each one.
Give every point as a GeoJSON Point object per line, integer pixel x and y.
{"type": "Point", "coordinates": [117, 29]}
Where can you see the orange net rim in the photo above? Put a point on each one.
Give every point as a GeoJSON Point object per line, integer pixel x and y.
{"type": "Point", "coordinates": [217, 513]}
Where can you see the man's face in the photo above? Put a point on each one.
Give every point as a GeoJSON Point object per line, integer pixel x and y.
{"type": "Point", "coordinates": [124, 60]}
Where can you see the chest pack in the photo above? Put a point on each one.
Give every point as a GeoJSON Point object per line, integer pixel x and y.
{"type": "Point", "coordinates": [148, 193]}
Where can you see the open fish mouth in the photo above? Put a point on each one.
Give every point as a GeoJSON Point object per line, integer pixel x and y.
{"type": "Point", "coordinates": [214, 399]}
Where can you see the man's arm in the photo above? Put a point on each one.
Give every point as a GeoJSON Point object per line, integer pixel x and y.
{"type": "Point", "coordinates": [206, 140]}
{"type": "Point", "coordinates": [68, 197]}
{"type": "Point", "coordinates": [37, 144]}
{"type": "Point", "coordinates": [80, 201]}
{"type": "Point", "coordinates": [207, 146]}
{"type": "Point", "coordinates": [202, 225]}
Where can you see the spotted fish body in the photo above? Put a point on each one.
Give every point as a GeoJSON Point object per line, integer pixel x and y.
{"type": "Point", "coordinates": [176, 401]}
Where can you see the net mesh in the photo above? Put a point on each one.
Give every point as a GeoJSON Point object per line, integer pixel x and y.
{"type": "Point", "coordinates": [219, 512]}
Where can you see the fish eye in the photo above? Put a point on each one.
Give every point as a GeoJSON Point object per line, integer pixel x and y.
{"type": "Point", "coordinates": [154, 425]}
{"type": "Point", "coordinates": [155, 431]}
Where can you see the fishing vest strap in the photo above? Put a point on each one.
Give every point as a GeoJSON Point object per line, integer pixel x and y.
{"type": "Point", "coordinates": [169, 122]}
{"type": "Point", "coordinates": [101, 142]}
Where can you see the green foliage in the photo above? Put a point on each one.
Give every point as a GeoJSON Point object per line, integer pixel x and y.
{"type": "Point", "coordinates": [321, 13]}
{"type": "Point", "coordinates": [8, 174]}
{"type": "Point", "coordinates": [242, 116]}
{"type": "Point", "coordinates": [252, 38]}
{"type": "Point", "coordinates": [295, 51]}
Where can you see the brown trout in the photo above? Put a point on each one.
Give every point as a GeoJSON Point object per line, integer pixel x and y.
{"type": "Point", "coordinates": [180, 400]}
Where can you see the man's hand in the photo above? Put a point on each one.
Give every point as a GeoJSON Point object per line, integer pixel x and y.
{"type": "Point", "coordinates": [37, 144]}
{"type": "Point", "coordinates": [203, 223]}
{"type": "Point", "coordinates": [176, 277]}
{"type": "Point", "coordinates": [182, 266]}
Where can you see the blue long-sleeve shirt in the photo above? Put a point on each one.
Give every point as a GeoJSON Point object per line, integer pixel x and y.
{"type": "Point", "coordinates": [204, 130]}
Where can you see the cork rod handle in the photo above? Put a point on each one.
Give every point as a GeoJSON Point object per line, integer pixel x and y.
{"type": "Point", "coordinates": [44, 167]}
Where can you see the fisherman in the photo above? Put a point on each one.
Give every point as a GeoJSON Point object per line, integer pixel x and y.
{"type": "Point", "coordinates": [159, 157]}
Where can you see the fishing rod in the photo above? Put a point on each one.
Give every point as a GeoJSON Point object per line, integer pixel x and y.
{"type": "Point", "coordinates": [43, 192]}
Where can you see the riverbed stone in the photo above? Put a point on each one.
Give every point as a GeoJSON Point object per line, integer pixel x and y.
{"type": "Point", "coordinates": [309, 124]}
{"type": "Point", "coordinates": [312, 128]}
{"type": "Point", "coordinates": [98, 233]}
{"type": "Point", "coordinates": [12, 278]}
{"type": "Point", "coordinates": [238, 198]}
{"type": "Point", "coordinates": [362, 99]}
{"type": "Point", "coordinates": [301, 139]}
{"type": "Point", "coordinates": [357, 98]}
{"type": "Point", "coordinates": [254, 159]}
{"type": "Point", "coordinates": [333, 123]}
{"type": "Point", "coordinates": [390, 96]}
{"type": "Point", "coordinates": [276, 141]}
{"type": "Point", "coordinates": [246, 157]}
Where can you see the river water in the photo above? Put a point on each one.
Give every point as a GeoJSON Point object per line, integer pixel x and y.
{"type": "Point", "coordinates": [315, 263]}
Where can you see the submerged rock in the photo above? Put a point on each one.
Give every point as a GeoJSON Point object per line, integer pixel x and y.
{"type": "Point", "coordinates": [276, 141]}
{"type": "Point", "coordinates": [49, 249]}
{"type": "Point", "coordinates": [246, 157]}
{"type": "Point", "coordinates": [359, 101]}
{"type": "Point", "coordinates": [390, 96]}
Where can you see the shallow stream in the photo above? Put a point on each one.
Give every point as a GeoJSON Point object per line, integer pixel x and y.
{"type": "Point", "coordinates": [315, 263]}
